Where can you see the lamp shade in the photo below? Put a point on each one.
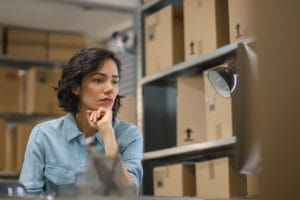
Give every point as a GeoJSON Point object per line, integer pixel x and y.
{"type": "Point", "coordinates": [223, 80]}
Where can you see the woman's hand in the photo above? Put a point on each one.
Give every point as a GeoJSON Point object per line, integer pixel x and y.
{"type": "Point", "coordinates": [100, 119]}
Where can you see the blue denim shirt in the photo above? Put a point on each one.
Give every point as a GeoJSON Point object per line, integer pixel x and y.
{"type": "Point", "coordinates": [55, 153]}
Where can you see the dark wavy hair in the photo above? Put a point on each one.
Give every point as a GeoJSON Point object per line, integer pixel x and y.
{"type": "Point", "coordinates": [82, 63]}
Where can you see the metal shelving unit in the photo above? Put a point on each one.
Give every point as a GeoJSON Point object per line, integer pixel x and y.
{"type": "Point", "coordinates": [140, 14]}
{"type": "Point", "coordinates": [195, 65]}
{"type": "Point", "coordinates": [23, 117]}
{"type": "Point", "coordinates": [9, 175]}
{"type": "Point", "coordinates": [153, 5]}
{"type": "Point", "coordinates": [11, 117]}
{"type": "Point", "coordinates": [156, 111]}
{"type": "Point", "coordinates": [192, 149]}
{"type": "Point", "coordinates": [25, 62]}
{"type": "Point", "coordinates": [158, 95]}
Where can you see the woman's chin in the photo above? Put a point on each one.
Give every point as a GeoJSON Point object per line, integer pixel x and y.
{"type": "Point", "coordinates": [102, 106]}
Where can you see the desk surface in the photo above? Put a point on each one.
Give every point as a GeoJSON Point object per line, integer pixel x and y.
{"type": "Point", "coordinates": [121, 198]}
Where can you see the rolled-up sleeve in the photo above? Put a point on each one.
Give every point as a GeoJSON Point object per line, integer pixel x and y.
{"type": "Point", "coordinates": [132, 154]}
{"type": "Point", "coordinates": [33, 166]}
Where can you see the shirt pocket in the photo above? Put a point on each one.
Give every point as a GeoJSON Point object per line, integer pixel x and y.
{"type": "Point", "coordinates": [60, 175]}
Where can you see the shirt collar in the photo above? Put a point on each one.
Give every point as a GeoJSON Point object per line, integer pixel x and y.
{"type": "Point", "coordinates": [72, 131]}
{"type": "Point", "coordinates": [71, 128]}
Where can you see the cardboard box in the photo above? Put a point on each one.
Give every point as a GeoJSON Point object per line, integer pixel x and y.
{"type": "Point", "coordinates": [241, 19]}
{"type": "Point", "coordinates": [27, 43]}
{"type": "Point", "coordinates": [174, 180]}
{"type": "Point", "coordinates": [40, 81]}
{"type": "Point", "coordinates": [2, 143]}
{"type": "Point", "coordinates": [128, 110]}
{"type": "Point", "coordinates": [23, 133]}
{"type": "Point", "coordinates": [217, 179]}
{"type": "Point", "coordinates": [163, 39]}
{"type": "Point", "coordinates": [63, 46]}
{"type": "Point", "coordinates": [252, 185]}
{"type": "Point", "coordinates": [205, 26]}
{"type": "Point", "coordinates": [10, 82]}
{"type": "Point", "coordinates": [218, 112]}
{"type": "Point", "coordinates": [61, 54]}
{"type": "Point", "coordinates": [190, 110]}
{"type": "Point", "coordinates": [10, 148]}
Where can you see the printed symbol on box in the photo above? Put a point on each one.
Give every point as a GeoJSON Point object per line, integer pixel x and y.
{"type": "Point", "coordinates": [151, 32]}
{"type": "Point", "coordinates": [188, 134]}
{"type": "Point", "coordinates": [212, 102]}
{"type": "Point", "coordinates": [42, 77]}
{"type": "Point", "coordinates": [238, 30]}
{"type": "Point", "coordinates": [159, 180]}
{"type": "Point", "coordinates": [192, 45]}
{"type": "Point", "coordinates": [212, 107]}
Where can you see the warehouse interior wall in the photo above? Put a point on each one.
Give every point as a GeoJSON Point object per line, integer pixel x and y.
{"type": "Point", "coordinates": [278, 94]}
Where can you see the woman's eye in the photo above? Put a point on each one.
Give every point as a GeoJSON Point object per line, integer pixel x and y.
{"type": "Point", "coordinates": [97, 80]}
{"type": "Point", "coordinates": [115, 81]}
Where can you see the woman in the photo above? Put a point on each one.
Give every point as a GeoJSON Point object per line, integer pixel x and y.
{"type": "Point", "coordinates": [88, 91]}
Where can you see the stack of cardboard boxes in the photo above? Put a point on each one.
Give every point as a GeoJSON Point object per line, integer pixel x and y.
{"type": "Point", "coordinates": [177, 33]}
{"type": "Point", "coordinates": [202, 115]}
{"type": "Point", "coordinates": [62, 46]}
{"type": "Point", "coordinates": [29, 91]}
{"type": "Point", "coordinates": [11, 83]}
{"type": "Point", "coordinates": [39, 81]}
{"type": "Point", "coordinates": [215, 178]}
{"type": "Point", "coordinates": [23, 88]}
{"type": "Point", "coordinates": [39, 44]}
{"type": "Point", "coordinates": [163, 39]}
{"type": "Point", "coordinates": [26, 43]}
{"type": "Point", "coordinates": [13, 139]}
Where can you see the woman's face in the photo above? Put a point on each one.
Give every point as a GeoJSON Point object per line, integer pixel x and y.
{"type": "Point", "coordinates": [99, 88]}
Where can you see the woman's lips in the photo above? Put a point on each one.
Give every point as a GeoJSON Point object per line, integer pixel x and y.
{"type": "Point", "coordinates": [106, 102]}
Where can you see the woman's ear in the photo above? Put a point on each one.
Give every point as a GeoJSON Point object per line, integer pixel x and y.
{"type": "Point", "coordinates": [75, 89]}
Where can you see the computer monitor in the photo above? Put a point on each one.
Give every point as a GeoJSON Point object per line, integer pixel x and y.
{"type": "Point", "coordinates": [248, 155]}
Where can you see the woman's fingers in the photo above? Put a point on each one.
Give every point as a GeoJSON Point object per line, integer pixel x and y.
{"type": "Point", "coordinates": [96, 115]}
{"type": "Point", "coordinates": [91, 115]}
{"type": "Point", "coordinates": [100, 113]}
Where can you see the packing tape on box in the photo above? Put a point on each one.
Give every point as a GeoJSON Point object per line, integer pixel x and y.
{"type": "Point", "coordinates": [219, 131]}
{"type": "Point", "coordinates": [200, 48]}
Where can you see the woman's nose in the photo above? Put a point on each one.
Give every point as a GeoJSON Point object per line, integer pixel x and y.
{"type": "Point", "coordinates": [108, 87]}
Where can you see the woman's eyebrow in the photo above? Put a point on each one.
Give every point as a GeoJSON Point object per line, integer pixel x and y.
{"type": "Point", "coordinates": [102, 74]}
